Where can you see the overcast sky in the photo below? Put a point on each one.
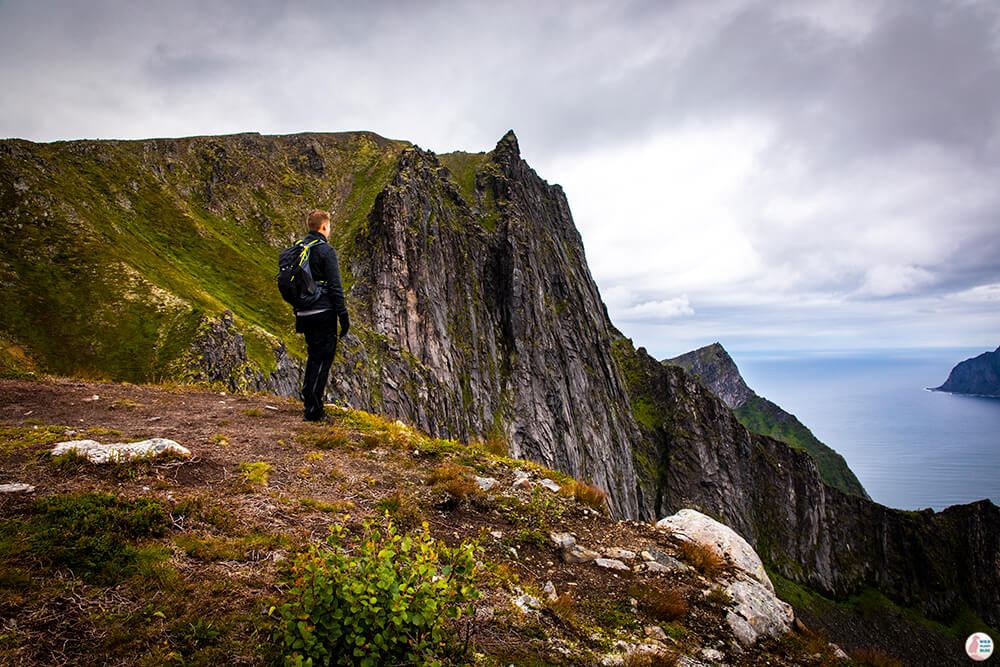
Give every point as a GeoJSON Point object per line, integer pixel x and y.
{"type": "Point", "coordinates": [773, 175]}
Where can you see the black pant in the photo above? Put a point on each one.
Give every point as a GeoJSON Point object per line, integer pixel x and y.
{"type": "Point", "coordinates": [321, 342]}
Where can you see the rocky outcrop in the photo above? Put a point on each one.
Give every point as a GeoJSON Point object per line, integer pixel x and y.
{"type": "Point", "coordinates": [717, 371]}
{"type": "Point", "coordinates": [979, 376]}
{"type": "Point", "coordinates": [773, 496]}
{"type": "Point", "coordinates": [118, 452]}
{"type": "Point", "coordinates": [713, 366]}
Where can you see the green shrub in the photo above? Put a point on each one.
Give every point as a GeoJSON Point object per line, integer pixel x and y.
{"type": "Point", "coordinates": [89, 532]}
{"type": "Point", "coordinates": [382, 602]}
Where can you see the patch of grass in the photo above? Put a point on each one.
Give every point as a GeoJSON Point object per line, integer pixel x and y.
{"type": "Point", "coordinates": [454, 479]}
{"type": "Point", "coordinates": [325, 437]}
{"type": "Point", "coordinates": [212, 548]}
{"type": "Point", "coordinates": [124, 403]}
{"type": "Point", "coordinates": [403, 508]}
{"type": "Point", "coordinates": [220, 439]}
{"type": "Point", "coordinates": [701, 558]}
{"type": "Point", "coordinates": [719, 596]}
{"type": "Point", "coordinates": [19, 437]}
{"type": "Point", "coordinates": [587, 494]}
{"type": "Point", "coordinates": [662, 603]}
{"type": "Point", "coordinates": [91, 534]}
{"type": "Point", "coordinates": [256, 473]}
{"type": "Point", "coordinates": [253, 412]}
{"type": "Point", "coordinates": [331, 508]}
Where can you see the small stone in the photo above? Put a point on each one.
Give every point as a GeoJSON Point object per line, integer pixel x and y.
{"type": "Point", "coordinates": [513, 552]}
{"type": "Point", "coordinates": [610, 564]}
{"type": "Point", "coordinates": [486, 483]}
{"type": "Point", "coordinates": [657, 633]}
{"type": "Point", "coordinates": [653, 566]}
{"type": "Point", "coordinates": [646, 556]}
{"type": "Point", "coordinates": [577, 554]}
{"type": "Point", "coordinates": [550, 591]}
{"type": "Point", "coordinates": [527, 602]}
{"type": "Point", "coordinates": [620, 554]}
{"type": "Point", "coordinates": [712, 654]}
{"type": "Point", "coordinates": [521, 474]}
{"type": "Point", "coordinates": [496, 534]}
{"type": "Point", "coordinates": [838, 652]}
{"type": "Point", "coordinates": [522, 483]}
{"type": "Point", "coordinates": [16, 487]}
{"type": "Point", "coordinates": [562, 540]}
{"type": "Point", "coordinates": [271, 407]}
{"type": "Point", "coordinates": [550, 485]}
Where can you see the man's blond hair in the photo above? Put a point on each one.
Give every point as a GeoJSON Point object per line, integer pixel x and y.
{"type": "Point", "coordinates": [316, 220]}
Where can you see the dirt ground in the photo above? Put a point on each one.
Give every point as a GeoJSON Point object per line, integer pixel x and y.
{"type": "Point", "coordinates": [311, 487]}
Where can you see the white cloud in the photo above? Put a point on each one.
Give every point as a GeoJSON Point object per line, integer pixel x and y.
{"type": "Point", "coordinates": [885, 280]}
{"type": "Point", "coordinates": [652, 311]}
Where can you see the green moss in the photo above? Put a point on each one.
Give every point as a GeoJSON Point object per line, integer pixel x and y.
{"type": "Point", "coordinates": [762, 416]}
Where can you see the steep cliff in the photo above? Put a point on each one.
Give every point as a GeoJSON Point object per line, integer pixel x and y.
{"type": "Point", "coordinates": [717, 371]}
{"type": "Point", "coordinates": [475, 312]}
{"type": "Point", "coordinates": [979, 376]}
{"type": "Point", "coordinates": [475, 315]}
{"type": "Point", "coordinates": [700, 456]}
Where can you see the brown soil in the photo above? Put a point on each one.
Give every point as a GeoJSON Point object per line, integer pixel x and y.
{"type": "Point", "coordinates": [225, 431]}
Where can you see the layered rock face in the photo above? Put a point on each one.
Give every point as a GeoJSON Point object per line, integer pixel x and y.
{"type": "Point", "coordinates": [810, 532]}
{"type": "Point", "coordinates": [717, 371]}
{"type": "Point", "coordinates": [979, 376]}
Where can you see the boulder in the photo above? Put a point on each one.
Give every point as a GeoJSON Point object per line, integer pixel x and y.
{"type": "Point", "coordinates": [610, 564]}
{"type": "Point", "coordinates": [574, 553]}
{"type": "Point", "coordinates": [16, 487]}
{"type": "Point", "coordinates": [95, 452]}
{"type": "Point", "coordinates": [756, 611]}
{"type": "Point", "coordinates": [694, 526]}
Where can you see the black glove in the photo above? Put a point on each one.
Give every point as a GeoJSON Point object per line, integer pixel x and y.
{"type": "Point", "coordinates": [345, 324]}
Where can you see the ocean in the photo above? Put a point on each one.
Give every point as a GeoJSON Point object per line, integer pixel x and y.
{"type": "Point", "coordinates": [910, 448]}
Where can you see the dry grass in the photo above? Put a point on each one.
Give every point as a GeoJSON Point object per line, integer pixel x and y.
{"type": "Point", "coordinates": [403, 508]}
{"type": "Point", "coordinates": [701, 558]}
{"type": "Point", "coordinates": [647, 660]}
{"type": "Point", "coordinates": [456, 480]}
{"type": "Point", "coordinates": [662, 603]}
{"type": "Point", "coordinates": [591, 496]}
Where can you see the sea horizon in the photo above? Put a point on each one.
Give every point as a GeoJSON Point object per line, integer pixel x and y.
{"type": "Point", "coordinates": [912, 448]}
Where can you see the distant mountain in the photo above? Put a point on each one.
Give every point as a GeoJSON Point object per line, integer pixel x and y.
{"type": "Point", "coordinates": [979, 375]}
{"type": "Point", "coordinates": [715, 369]}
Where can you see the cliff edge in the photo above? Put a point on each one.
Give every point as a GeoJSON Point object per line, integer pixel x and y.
{"type": "Point", "coordinates": [979, 376]}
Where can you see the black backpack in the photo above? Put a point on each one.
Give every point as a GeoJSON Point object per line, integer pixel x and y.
{"type": "Point", "coordinates": [295, 281]}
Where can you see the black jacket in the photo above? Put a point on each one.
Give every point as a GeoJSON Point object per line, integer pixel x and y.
{"type": "Point", "coordinates": [324, 267]}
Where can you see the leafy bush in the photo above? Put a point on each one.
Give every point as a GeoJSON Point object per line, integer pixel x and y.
{"type": "Point", "coordinates": [383, 602]}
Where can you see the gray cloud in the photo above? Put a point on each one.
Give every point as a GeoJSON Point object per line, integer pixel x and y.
{"type": "Point", "coordinates": [806, 165]}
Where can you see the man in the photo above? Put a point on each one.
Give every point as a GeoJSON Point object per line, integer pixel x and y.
{"type": "Point", "coordinates": [319, 322]}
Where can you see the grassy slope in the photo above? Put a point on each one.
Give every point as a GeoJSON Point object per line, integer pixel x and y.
{"type": "Point", "coordinates": [193, 585]}
{"type": "Point", "coordinates": [762, 416]}
{"type": "Point", "coordinates": [119, 248]}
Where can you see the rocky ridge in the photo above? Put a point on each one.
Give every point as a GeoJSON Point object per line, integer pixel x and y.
{"type": "Point", "coordinates": [717, 371]}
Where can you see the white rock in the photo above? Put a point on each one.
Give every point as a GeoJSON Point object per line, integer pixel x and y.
{"type": "Point", "coordinates": [657, 633]}
{"type": "Point", "coordinates": [653, 566]}
{"type": "Point", "coordinates": [744, 633]}
{"type": "Point", "coordinates": [527, 602]}
{"type": "Point", "coordinates": [838, 652]}
{"type": "Point", "coordinates": [550, 591]}
{"type": "Point", "coordinates": [550, 485]}
{"type": "Point", "coordinates": [521, 474]}
{"type": "Point", "coordinates": [763, 612]}
{"type": "Point", "coordinates": [574, 553]}
{"type": "Point", "coordinates": [95, 452]}
{"type": "Point", "coordinates": [723, 540]}
{"type": "Point", "coordinates": [496, 534]}
{"type": "Point", "coordinates": [712, 654]}
{"type": "Point", "coordinates": [486, 483]}
{"type": "Point", "coordinates": [521, 483]}
{"type": "Point", "coordinates": [610, 564]}
{"type": "Point", "coordinates": [646, 556]}
{"type": "Point", "coordinates": [16, 487]}
{"type": "Point", "coordinates": [562, 540]}
{"type": "Point", "coordinates": [620, 554]}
